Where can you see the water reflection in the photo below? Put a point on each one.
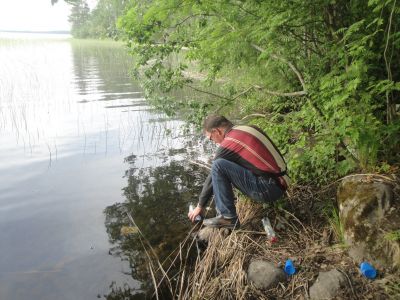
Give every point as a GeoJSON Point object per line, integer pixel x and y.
{"type": "Point", "coordinates": [157, 198]}
{"type": "Point", "coordinates": [69, 115]}
{"type": "Point", "coordinates": [76, 137]}
{"type": "Point", "coordinates": [101, 72]}
{"type": "Point", "coordinates": [160, 181]}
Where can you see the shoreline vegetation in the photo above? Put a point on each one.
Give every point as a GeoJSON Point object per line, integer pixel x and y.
{"type": "Point", "coordinates": [320, 77]}
{"type": "Point", "coordinates": [308, 228]}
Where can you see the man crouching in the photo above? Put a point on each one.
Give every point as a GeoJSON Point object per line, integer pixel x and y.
{"type": "Point", "coordinates": [245, 159]}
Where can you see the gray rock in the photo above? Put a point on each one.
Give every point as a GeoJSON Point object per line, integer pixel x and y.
{"type": "Point", "coordinates": [327, 285]}
{"type": "Point", "coordinates": [264, 275]}
{"type": "Point", "coordinates": [205, 234]}
{"type": "Point", "coordinates": [368, 212]}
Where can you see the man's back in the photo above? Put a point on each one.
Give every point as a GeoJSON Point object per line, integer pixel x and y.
{"type": "Point", "coordinates": [251, 148]}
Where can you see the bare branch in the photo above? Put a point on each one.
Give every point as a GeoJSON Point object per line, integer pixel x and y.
{"type": "Point", "coordinates": [201, 164]}
{"type": "Point", "coordinates": [246, 91]}
{"type": "Point", "coordinates": [188, 18]}
{"type": "Point", "coordinates": [282, 94]}
{"type": "Point", "coordinates": [238, 4]}
{"type": "Point", "coordinates": [253, 87]}
{"type": "Point", "coordinates": [253, 116]}
{"type": "Point", "coordinates": [390, 108]}
{"type": "Point", "coordinates": [292, 94]}
{"type": "Point", "coordinates": [294, 69]}
{"type": "Point", "coordinates": [291, 65]}
{"type": "Point", "coordinates": [206, 92]}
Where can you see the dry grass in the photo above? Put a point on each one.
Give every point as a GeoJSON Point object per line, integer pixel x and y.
{"type": "Point", "coordinates": [305, 236]}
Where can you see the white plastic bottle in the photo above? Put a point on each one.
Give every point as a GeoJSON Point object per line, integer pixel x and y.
{"type": "Point", "coordinates": [198, 217]}
{"type": "Point", "coordinates": [269, 230]}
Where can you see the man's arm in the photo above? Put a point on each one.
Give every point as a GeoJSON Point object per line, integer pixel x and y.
{"type": "Point", "coordinates": [204, 197]}
{"type": "Point", "coordinates": [206, 192]}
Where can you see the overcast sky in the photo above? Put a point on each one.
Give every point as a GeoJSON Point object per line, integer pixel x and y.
{"type": "Point", "coordinates": [34, 15]}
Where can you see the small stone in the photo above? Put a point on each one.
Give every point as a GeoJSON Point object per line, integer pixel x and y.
{"type": "Point", "coordinates": [225, 232]}
{"type": "Point", "coordinates": [327, 285]}
{"type": "Point", "coordinates": [205, 234]}
{"type": "Point", "coordinates": [264, 275]}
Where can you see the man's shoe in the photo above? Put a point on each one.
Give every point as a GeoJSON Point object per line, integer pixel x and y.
{"type": "Point", "coordinates": [221, 222]}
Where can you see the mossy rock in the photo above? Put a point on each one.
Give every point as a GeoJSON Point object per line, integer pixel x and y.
{"type": "Point", "coordinates": [368, 211]}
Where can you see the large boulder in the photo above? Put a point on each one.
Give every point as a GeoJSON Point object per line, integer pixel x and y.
{"type": "Point", "coordinates": [368, 214]}
{"type": "Point", "coordinates": [264, 275]}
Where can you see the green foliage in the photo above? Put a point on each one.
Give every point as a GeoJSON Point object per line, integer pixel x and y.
{"type": "Point", "coordinates": [100, 22]}
{"type": "Point", "coordinates": [322, 73]}
{"type": "Point", "coordinates": [393, 236]}
{"type": "Point", "coordinates": [79, 18]}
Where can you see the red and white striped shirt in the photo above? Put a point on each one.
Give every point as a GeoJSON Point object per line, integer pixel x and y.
{"type": "Point", "coordinates": [252, 149]}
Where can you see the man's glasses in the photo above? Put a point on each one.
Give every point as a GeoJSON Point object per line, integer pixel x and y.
{"type": "Point", "coordinates": [210, 136]}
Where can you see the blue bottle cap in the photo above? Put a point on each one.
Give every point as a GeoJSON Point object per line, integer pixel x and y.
{"type": "Point", "coordinates": [289, 267]}
{"type": "Point", "coordinates": [368, 270]}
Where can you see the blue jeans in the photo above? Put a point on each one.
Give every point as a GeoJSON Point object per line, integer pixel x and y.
{"type": "Point", "coordinates": [225, 173]}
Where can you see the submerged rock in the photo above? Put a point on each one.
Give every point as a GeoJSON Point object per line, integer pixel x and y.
{"type": "Point", "coordinates": [264, 275]}
{"type": "Point", "coordinates": [368, 213]}
{"type": "Point", "coordinates": [327, 285]}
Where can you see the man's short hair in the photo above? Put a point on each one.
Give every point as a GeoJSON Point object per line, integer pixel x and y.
{"type": "Point", "coordinates": [215, 121]}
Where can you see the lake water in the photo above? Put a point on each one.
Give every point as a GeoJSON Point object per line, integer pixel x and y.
{"type": "Point", "coordinates": [80, 147]}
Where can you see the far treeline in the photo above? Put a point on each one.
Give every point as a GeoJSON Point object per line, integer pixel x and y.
{"type": "Point", "coordinates": [320, 77]}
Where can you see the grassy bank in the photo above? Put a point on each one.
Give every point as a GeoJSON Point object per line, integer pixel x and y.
{"type": "Point", "coordinates": [309, 233]}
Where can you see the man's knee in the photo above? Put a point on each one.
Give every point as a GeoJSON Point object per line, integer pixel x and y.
{"type": "Point", "coordinates": [219, 165]}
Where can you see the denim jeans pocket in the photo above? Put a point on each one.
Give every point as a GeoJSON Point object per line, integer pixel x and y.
{"type": "Point", "coordinates": [269, 190]}
{"type": "Point", "coordinates": [258, 196]}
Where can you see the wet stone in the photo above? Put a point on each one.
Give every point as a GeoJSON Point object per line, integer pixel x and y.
{"type": "Point", "coordinates": [327, 285]}
{"type": "Point", "coordinates": [264, 275]}
{"type": "Point", "coordinates": [205, 234]}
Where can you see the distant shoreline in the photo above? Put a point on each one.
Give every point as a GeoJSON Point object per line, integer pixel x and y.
{"type": "Point", "coordinates": [39, 32]}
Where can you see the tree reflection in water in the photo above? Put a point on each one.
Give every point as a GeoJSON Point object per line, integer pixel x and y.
{"type": "Point", "coordinates": [158, 199]}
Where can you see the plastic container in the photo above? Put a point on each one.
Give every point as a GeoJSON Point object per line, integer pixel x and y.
{"type": "Point", "coordinates": [269, 230]}
{"type": "Point", "coordinates": [198, 217]}
{"type": "Point", "coordinates": [289, 267]}
{"type": "Point", "coordinates": [367, 270]}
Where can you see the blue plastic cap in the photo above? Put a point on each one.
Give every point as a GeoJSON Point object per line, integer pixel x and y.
{"type": "Point", "coordinates": [289, 267]}
{"type": "Point", "coordinates": [367, 270]}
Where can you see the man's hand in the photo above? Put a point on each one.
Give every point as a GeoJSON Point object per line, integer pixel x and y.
{"type": "Point", "coordinates": [195, 212]}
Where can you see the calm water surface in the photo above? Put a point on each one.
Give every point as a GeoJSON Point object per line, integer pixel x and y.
{"type": "Point", "coordinates": [79, 147]}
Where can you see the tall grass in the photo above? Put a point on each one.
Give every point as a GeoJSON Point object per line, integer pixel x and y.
{"type": "Point", "coordinates": [332, 214]}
